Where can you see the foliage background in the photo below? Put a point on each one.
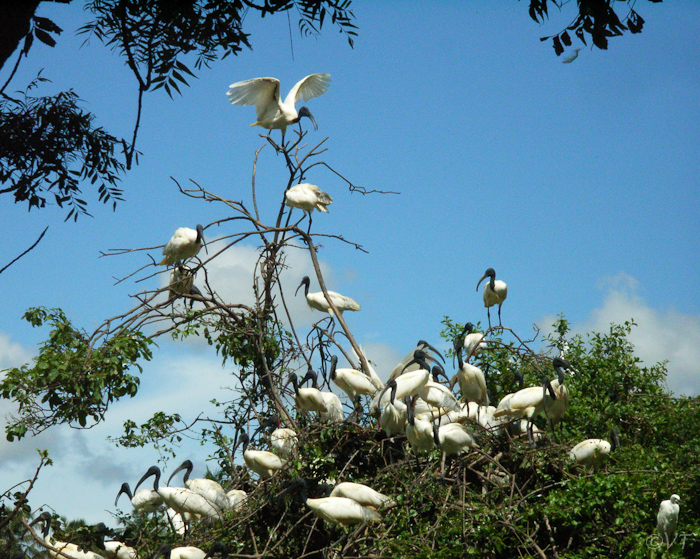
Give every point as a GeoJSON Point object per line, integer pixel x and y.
{"type": "Point", "coordinates": [557, 156]}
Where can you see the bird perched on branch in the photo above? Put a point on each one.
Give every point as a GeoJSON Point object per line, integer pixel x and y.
{"type": "Point", "coordinates": [307, 197]}
{"type": "Point", "coordinates": [472, 383]}
{"type": "Point", "coordinates": [319, 302]}
{"type": "Point", "coordinates": [593, 452]}
{"type": "Point", "coordinates": [184, 244]}
{"type": "Point", "coordinates": [495, 292]}
{"type": "Point", "coordinates": [272, 112]}
{"type": "Point", "coordinates": [70, 550]}
{"type": "Point", "coordinates": [351, 381]}
{"type": "Point", "coordinates": [526, 403]}
{"type": "Point", "coordinates": [144, 500]}
{"type": "Point", "coordinates": [207, 488]}
{"type": "Point", "coordinates": [364, 495]}
{"type": "Point", "coordinates": [409, 364]}
{"type": "Point", "coordinates": [190, 552]}
{"type": "Point", "coordinates": [474, 342]}
{"type": "Point", "coordinates": [667, 518]}
{"type": "Point", "coordinates": [262, 462]}
{"type": "Point", "coordinates": [180, 499]}
{"type": "Point", "coordinates": [182, 283]}
{"type": "Point", "coordinates": [307, 398]}
{"type": "Point", "coordinates": [336, 510]}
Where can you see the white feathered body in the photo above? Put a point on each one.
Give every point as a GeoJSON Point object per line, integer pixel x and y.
{"type": "Point", "coordinates": [264, 93]}
{"type": "Point", "coordinates": [181, 246]}
{"type": "Point", "coordinates": [497, 295]}
{"type": "Point", "coordinates": [334, 408]}
{"type": "Point", "coordinates": [527, 403]}
{"type": "Point", "coordinates": [310, 399]}
{"type": "Point", "coordinates": [341, 510]}
{"type": "Point", "coordinates": [284, 442]}
{"type": "Point", "coordinates": [474, 344]}
{"type": "Point", "coordinates": [591, 452]}
{"type": "Point", "coordinates": [420, 434]}
{"type": "Point", "coordinates": [472, 384]}
{"type": "Point", "coordinates": [667, 518]}
{"type": "Point", "coordinates": [117, 550]}
{"type": "Point", "coordinates": [262, 462]}
{"type": "Point", "coordinates": [342, 303]}
{"type": "Point", "coordinates": [363, 495]}
{"type": "Point", "coordinates": [354, 382]}
{"type": "Point", "coordinates": [307, 197]}
{"type": "Point", "coordinates": [236, 498]}
{"type": "Point", "coordinates": [455, 438]}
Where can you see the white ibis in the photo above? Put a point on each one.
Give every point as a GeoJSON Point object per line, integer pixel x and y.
{"type": "Point", "coordinates": [495, 292]}
{"type": "Point", "coordinates": [262, 462]}
{"type": "Point", "coordinates": [472, 383]}
{"type": "Point", "coordinates": [236, 498]}
{"type": "Point", "coordinates": [393, 415]}
{"type": "Point", "coordinates": [282, 439]}
{"type": "Point", "coordinates": [272, 113]}
{"type": "Point", "coordinates": [453, 438]}
{"type": "Point", "coordinates": [556, 410]}
{"type": "Point", "coordinates": [667, 518]}
{"type": "Point", "coordinates": [408, 384]}
{"type": "Point", "coordinates": [474, 342]}
{"type": "Point", "coordinates": [66, 549]}
{"type": "Point", "coordinates": [419, 432]}
{"type": "Point", "coordinates": [308, 398]}
{"type": "Point", "coordinates": [338, 510]}
{"type": "Point", "coordinates": [190, 552]}
{"type": "Point", "coordinates": [438, 395]}
{"type": "Point", "coordinates": [351, 381]}
{"type": "Point", "coordinates": [432, 392]}
{"type": "Point", "coordinates": [180, 499]}
{"type": "Point", "coordinates": [184, 244]}
{"type": "Point", "coordinates": [207, 488]}
{"type": "Point", "coordinates": [284, 442]}
{"type": "Point", "coordinates": [341, 510]}
{"type": "Point", "coordinates": [526, 403]}
{"type": "Point", "coordinates": [144, 500]}
{"type": "Point", "coordinates": [182, 283]}
{"type": "Point", "coordinates": [319, 302]}
{"type": "Point", "coordinates": [521, 427]}
{"type": "Point", "coordinates": [363, 495]}
{"type": "Point", "coordinates": [571, 56]}
{"type": "Point", "coordinates": [307, 197]}
{"type": "Point", "coordinates": [334, 407]}
{"type": "Point", "coordinates": [178, 522]}
{"type": "Point", "coordinates": [408, 363]}
{"type": "Point", "coordinates": [115, 549]}
{"type": "Point", "coordinates": [593, 452]}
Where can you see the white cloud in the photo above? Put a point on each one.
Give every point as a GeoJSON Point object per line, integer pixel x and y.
{"type": "Point", "coordinates": [659, 335]}
{"type": "Point", "coordinates": [12, 354]}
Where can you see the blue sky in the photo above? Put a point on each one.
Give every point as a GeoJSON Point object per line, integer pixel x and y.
{"type": "Point", "coordinates": [577, 182]}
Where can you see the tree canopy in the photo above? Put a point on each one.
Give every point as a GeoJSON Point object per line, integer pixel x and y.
{"type": "Point", "coordinates": [505, 496]}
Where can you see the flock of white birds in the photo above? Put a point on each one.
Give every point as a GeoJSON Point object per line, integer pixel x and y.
{"type": "Point", "coordinates": [413, 402]}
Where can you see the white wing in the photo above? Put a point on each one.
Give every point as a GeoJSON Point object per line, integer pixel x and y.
{"type": "Point", "coordinates": [264, 93]}
{"type": "Point", "coordinates": [308, 88]}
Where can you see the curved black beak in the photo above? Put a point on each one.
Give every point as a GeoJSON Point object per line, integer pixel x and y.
{"type": "Point", "coordinates": [303, 111]}
{"type": "Point", "coordinates": [423, 343]}
{"type": "Point", "coordinates": [304, 281]}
